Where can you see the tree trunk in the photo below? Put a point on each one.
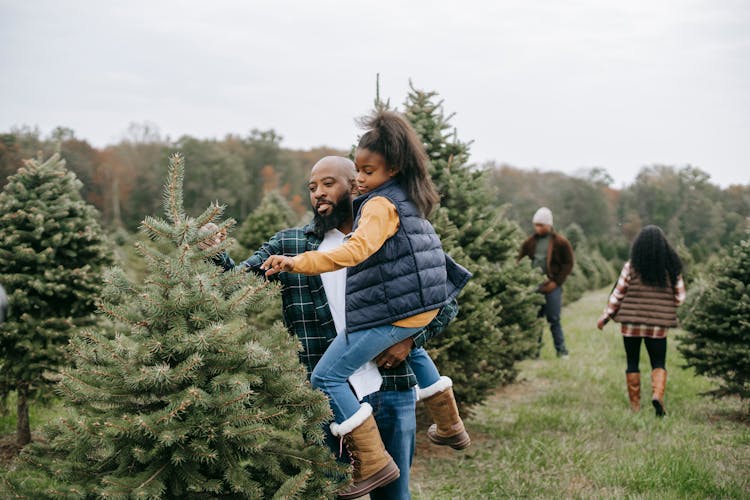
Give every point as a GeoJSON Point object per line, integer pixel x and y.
{"type": "Point", "coordinates": [23, 429]}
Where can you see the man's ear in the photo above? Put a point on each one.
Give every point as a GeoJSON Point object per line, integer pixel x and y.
{"type": "Point", "coordinates": [353, 186]}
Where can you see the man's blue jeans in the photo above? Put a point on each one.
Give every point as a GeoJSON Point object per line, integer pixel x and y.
{"type": "Point", "coordinates": [394, 414]}
{"type": "Point", "coordinates": [551, 310]}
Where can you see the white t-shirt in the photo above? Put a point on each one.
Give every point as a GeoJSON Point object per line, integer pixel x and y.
{"type": "Point", "coordinates": [367, 378]}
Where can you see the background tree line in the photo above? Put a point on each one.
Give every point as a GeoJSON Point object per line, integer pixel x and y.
{"type": "Point", "coordinates": [263, 186]}
{"type": "Point", "coordinates": [698, 216]}
{"type": "Point", "coordinates": [123, 181]}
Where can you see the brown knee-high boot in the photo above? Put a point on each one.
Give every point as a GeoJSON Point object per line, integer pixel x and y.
{"type": "Point", "coordinates": [373, 466]}
{"type": "Point", "coordinates": [634, 390]}
{"type": "Point", "coordinates": [658, 384]}
{"type": "Point", "coordinates": [448, 429]}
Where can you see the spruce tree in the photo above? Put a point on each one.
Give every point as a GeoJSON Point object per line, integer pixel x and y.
{"type": "Point", "coordinates": [717, 324]}
{"type": "Point", "coordinates": [497, 324]}
{"type": "Point", "coordinates": [184, 398]}
{"type": "Point", "coordinates": [52, 252]}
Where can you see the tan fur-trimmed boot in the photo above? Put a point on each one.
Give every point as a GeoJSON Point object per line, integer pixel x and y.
{"type": "Point", "coordinates": [658, 385]}
{"type": "Point", "coordinates": [373, 466]}
{"type": "Point", "coordinates": [448, 429]}
{"type": "Point", "coordinates": [634, 390]}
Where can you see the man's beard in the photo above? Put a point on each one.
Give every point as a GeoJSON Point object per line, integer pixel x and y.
{"type": "Point", "coordinates": [341, 211]}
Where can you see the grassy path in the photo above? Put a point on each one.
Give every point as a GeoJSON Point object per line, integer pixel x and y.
{"type": "Point", "coordinates": [565, 430]}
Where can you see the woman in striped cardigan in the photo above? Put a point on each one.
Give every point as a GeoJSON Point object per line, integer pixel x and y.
{"type": "Point", "coordinates": [644, 301]}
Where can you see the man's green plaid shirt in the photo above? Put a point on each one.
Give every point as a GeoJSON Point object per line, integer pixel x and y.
{"type": "Point", "coordinates": [305, 306]}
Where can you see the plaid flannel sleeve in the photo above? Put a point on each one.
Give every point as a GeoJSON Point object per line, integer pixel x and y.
{"type": "Point", "coordinates": [402, 377]}
{"type": "Point", "coordinates": [618, 293]}
{"type": "Point", "coordinates": [224, 261]}
{"type": "Point", "coordinates": [273, 246]}
{"type": "Point", "coordinates": [252, 263]}
{"type": "Point", "coordinates": [437, 325]}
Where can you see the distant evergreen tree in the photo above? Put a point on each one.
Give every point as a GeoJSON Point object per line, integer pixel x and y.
{"type": "Point", "coordinates": [186, 399]}
{"type": "Point", "coordinates": [591, 270]}
{"type": "Point", "coordinates": [52, 252]}
{"type": "Point", "coordinates": [717, 324]}
{"type": "Point", "coordinates": [272, 215]}
{"type": "Point", "coordinates": [497, 324]}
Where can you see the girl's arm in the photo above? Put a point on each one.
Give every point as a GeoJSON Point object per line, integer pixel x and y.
{"type": "Point", "coordinates": [378, 222]}
{"type": "Point", "coordinates": [615, 298]}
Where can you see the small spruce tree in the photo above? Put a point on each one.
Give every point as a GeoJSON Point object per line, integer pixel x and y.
{"type": "Point", "coordinates": [591, 270]}
{"type": "Point", "coordinates": [497, 324]}
{"type": "Point", "coordinates": [185, 399]}
{"type": "Point", "coordinates": [52, 252]}
{"type": "Point", "coordinates": [272, 215]}
{"type": "Point", "coordinates": [717, 324]}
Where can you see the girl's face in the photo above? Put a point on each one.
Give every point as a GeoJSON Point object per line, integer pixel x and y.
{"type": "Point", "coordinates": [372, 172]}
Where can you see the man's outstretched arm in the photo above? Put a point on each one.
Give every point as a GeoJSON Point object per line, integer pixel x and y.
{"type": "Point", "coordinates": [273, 246]}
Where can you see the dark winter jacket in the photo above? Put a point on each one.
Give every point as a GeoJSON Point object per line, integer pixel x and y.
{"type": "Point", "coordinates": [560, 258]}
{"type": "Point", "coordinates": [410, 274]}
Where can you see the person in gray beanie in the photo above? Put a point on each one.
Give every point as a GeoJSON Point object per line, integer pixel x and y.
{"type": "Point", "coordinates": [552, 253]}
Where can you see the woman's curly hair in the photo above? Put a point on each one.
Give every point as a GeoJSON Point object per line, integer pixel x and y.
{"type": "Point", "coordinates": [654, 259]}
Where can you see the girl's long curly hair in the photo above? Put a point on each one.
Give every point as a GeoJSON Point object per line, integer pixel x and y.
{"type": "Point", "coordinates": [654, 259]}
{"type": "Point", "coordinates": [391, 135]}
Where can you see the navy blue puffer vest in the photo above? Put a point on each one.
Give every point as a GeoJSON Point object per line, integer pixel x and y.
{"type": "Point", "coordinates": [406, 276]}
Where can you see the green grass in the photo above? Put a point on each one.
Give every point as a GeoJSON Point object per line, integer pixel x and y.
{"type": "Point", "coordinates": [565, 430]}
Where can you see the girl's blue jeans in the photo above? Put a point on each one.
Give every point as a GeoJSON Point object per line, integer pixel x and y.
{"type": "Point", "coordinates": [344, 356]}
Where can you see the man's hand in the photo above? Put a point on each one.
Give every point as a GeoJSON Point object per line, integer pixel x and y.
{"type": "Point", "coordinates": [276, 264]}
{"type": "Point", "coordinates": [547, 286]}
{"type": "Point", "coordinates": [215, 240]}
{"type": "Point", "coordinates": [395, 355]}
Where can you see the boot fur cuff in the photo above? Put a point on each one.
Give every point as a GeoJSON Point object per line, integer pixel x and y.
{"type": "Point", "coordinates": [351, 423]}
{"type": "Point", "coordinates": [439, 386]}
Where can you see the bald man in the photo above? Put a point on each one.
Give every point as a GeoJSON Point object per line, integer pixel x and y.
{"type": "Point", "coordinates": [313, 309]}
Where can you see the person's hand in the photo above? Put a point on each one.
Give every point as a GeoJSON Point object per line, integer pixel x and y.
{"type": "Point", "coordinates": [395, 355]}
{"type": "Point", "coordinates": [213, 241]}
{"type": "Point", "coordinates": [547, 286]}
{"type": "Point", "coordinates": [276, 264]}
{"type": "Point", "coordinates": [601, 322]}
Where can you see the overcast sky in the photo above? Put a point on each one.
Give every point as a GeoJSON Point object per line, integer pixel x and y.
{"type": "Point", "coordinates": [549, 84]}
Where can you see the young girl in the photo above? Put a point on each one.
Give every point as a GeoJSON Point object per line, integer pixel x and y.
{"type": "Point", "coordinates": [398, 278]}
{"type": "Point", "coordinates": [644, 301]}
